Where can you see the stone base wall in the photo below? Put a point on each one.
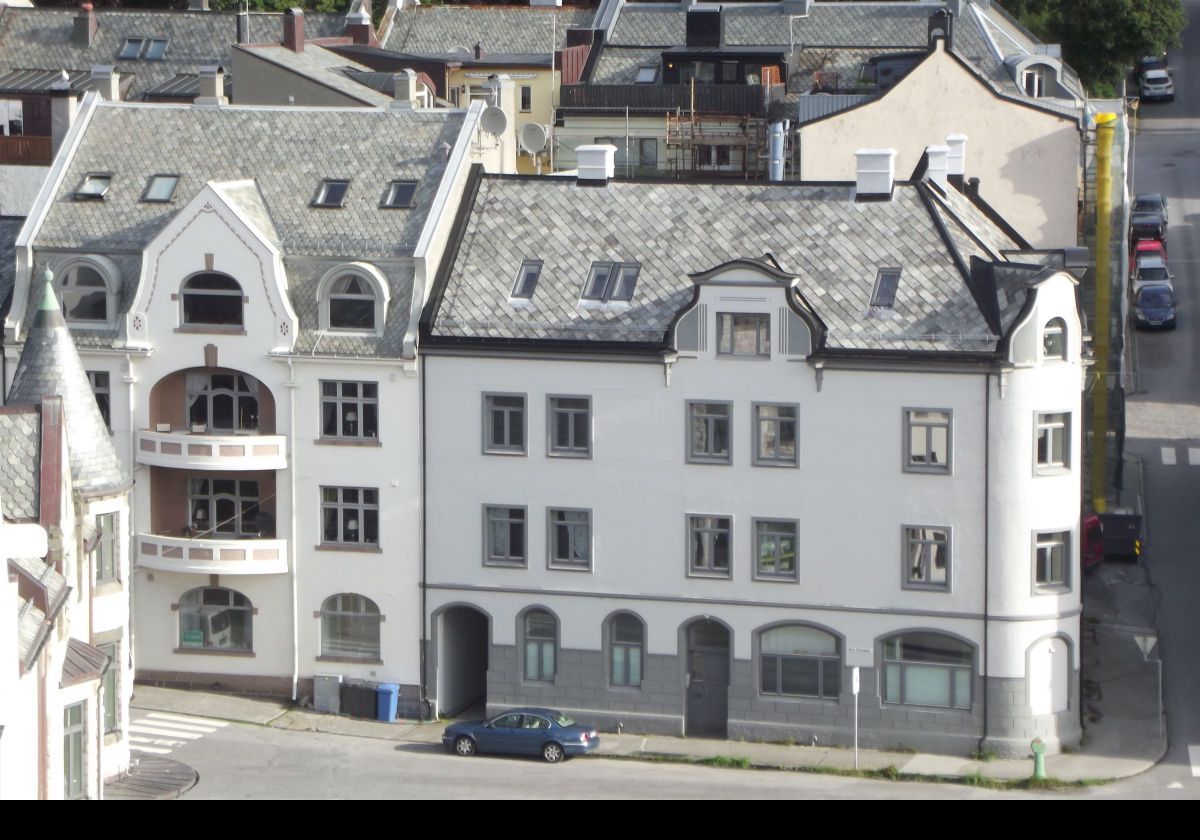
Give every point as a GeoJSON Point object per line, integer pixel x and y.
{"type": "Point", "coordinates": [1014, 726]}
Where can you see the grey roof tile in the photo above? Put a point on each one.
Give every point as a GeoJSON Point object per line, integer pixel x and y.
{"type": "Point", "coordinates": [10, 226]}
{"type": "Point", "coordinates": [508, 29]}
{"type": "Point", "coordinates": [325, 67]}
{"type": "Point", "coordinates": [304, 277]}
{"type": "Point", "coordinates": [20, 462]}
{"type": "Point", "coordinates": [619, 65]}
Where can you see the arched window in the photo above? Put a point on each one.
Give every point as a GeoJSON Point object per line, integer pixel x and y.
{"type": "Point", "coordinates": [213, 618]}
{"type": "Point", "coordinates": [1054, 340]}
{"type": "Point", "coordinates": [927, 669]}
{"type": "Point", "coordinates": [540, 632]}
{"type": "Point", "coordinates": [212, 299]}
{"type": "Point", "coordinates": [799, 661]}
{"type": "Point", "coordinates": [627, 648]}
{"type": "Point", "coordinates": [350, 627]}
{"type": "Point", "coordinates": [222, 402]}
{"type": "Point", "coordinates": [351, 304]}
{"type": "Point", "coordinates": [85, 296]}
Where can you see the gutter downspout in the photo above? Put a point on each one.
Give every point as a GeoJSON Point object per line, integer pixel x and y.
{"type": "Point", "coordinates": [987, 541]}
{"type": "Point", "coordinates": [291, 384]}
{"type": "Point", "coordinates": [427, 707]}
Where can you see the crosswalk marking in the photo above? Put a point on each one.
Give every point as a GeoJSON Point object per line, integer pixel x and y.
{"type": "Point", "coordinates": [184, 727]}
{"type": "Point", "coordinates": [160, 733]}
{"type": "Point", "coordinates": [219, 724]}
{"type": "Point", "coordinates": [1168, 456]}
{"type": "Point", "coordinates": [1194, 455]}
{"type": "Point", "coordinates": [1194, 758]}
{"type": "Point", "coordinates": [154, 730]}
{"type": "Point", "coordinates": [144, 749]}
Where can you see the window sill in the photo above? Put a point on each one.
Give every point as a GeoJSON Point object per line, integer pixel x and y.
{"type": "Point", "coordinates": [1051, 589]}
{"type": "Point", "coordinates": [751, 357]}
{"type": "Point", "coordinates": [563, 567]}
{"type": "Point", "coordinates": [761, 578]}
{"type": "Point", "coordinates": [709, 462]}
{"type": "Point", "coordinates": [790, 465]}
{"type": "Point", "coordinates": [799, 699]}
{"type": "Point", "coordinates": [572, 456]}
{"type": "Point", "coordinates": [1039, 470]}
{"type": "Point", "coordinates": [520, 453]}
{"type": "Point", "coordinates": [211, 330]}
{"type": "Point", "coordinates": [324, 441]}
{"type": "Point", "coordinates": [356, 549]}
{"type": "Point", "coordinates": [914, 469]}
{"type": "Point", "coordinates": [245, 654]}
{"type": "Point", "coordinates": [710, 575]}
{"type": "Point", "coordinates": [497, 564]}
{"type": "Point", "coordinates": [108, 587]}
{"type": "Point", "coordinates": [112, 737]}
{"type": "Point", "coordinates": [349, 659]}
{"type": "Point", "coordinates": [916, 586]}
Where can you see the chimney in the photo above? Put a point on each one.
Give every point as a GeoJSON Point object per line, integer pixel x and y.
{"type": "Point", "coordinates": [797, 8]}
{"type": "Point", "coordinates": [941, 25]}
{"type": "Point", "coordinates": [478, 51]}
{"type": "Point", "coordinates": [358, 27]}
{"type": "Point", "coordinates": [405, 90]}
{"type": "Point", "coordinates": [63, 109]}
{"type": "Point", "coordinates": [956, 161]}
{"type": "Point", "coordinates": [243, 26]}
{"type": "Point", "coordinates": [875, 174]}
{"type": "Point", "coordinates": [85, 26]}
{"type": "Point", "coordinates": [595, 164]}
{"type": "Point", "coordinates": [293, 30]}
{"type": "Point", "coordinates": [107, 81]}
{"type": "Point", "coordinates": [936, 161]}
{"type": "Point", "coordinates": [198, 5]}
{"type": "Point", "coordinates": [212, 86]}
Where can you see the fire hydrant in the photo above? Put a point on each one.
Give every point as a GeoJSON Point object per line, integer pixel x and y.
{"type": "Point", "coordinates": [1039, 758]}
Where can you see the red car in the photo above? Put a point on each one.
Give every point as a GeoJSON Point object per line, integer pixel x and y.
{"type": "Point", "coordinates": [1146, 248]}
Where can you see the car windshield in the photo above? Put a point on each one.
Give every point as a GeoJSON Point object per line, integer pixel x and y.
{"type": "Point", "coordinates": [562, 720]}
{"type": "Point", "coordinates": [1147, 205]}
{"type": "Point", "coordinates": [1156, 296]}
{"type": "Point", "coordinates": [1147, 273]}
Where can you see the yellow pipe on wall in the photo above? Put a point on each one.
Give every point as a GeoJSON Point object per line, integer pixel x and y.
{"type": "Point", "coordinates": [1105, 129]}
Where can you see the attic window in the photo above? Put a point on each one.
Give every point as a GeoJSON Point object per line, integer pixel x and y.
{"type": "Point", "coordinates": [647, 75]}
{"type": "Point", "coordinates": [331, 193]}
{"type": "Point", "coordinates": [94, 186]}
{"type": "Point", "coordinates": [527, 279]}
{"type": "Point", "coordinates": [887, 281]}
{"type": "Point", "coordinates": [160, 188]}
{"type": "Point", "coordinates": [400, 194]}
{"type": "Point", "coordinates": [609, 281]}
{"type": "Point", "coordinates": [150, 49]}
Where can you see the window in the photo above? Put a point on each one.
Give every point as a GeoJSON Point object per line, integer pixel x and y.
{"type": "Point", "coordinates": [775, 549]}
{"type": "Point", "coordinates": [222, 402]}
{"type": "Point", "coordinates": [541, 643]}
{"type": "Point", "coordinates": [926, 558]}
{"type": "Point", "coordinates": [160, 188]}
{"type": "Point", "coordinates": [110, 685]}
{"type": "Point", "coordinates": [212, 299]}
{"type": "Point", "coordinates": [94, 186]}
{"type": "Point", "coordinates": [108, 557]}
{"type": "Point", "coordinates": [526, 99]}
{"type": "Point", "coordinates": [709, 432]}
{"type": "Point", "coordinates": [647, 74]}
{"type": "Point", "coordinates": [627, 647]}
{"type": "Point", "coordinates": [351, 304]}
{"type": "Point", "coordinates": [927, 440]}
{"type": "Point", "coordinates": [570, 427]}
{"type": "Point", "coordinates": [331, 193]}
{"type": "Point", "coordinates": [1053, 442]}
{"type": "Point", "coordinates": [1054, 340]}
{"type": "Point", "coordinates": [74, 730]}
{"type": "Point", "coordinates": [647, 149]}
{"type": "Point", "coordinates": [799, 661]}
{"type": "Point", "coordinates": [150, 49]}
{"type": "Point", "coordinates": [213, 618]}
{"type": "Point", "coordinates": [131, 49]}
{"type": "Point", "coordinates": [927, 669]}
{"type": "Point", "coordinates": [226, 508]}
{"type": "Point", "coordinates": [1052, 561]}
{"type": "Point", "coordinates": [743, 335]}
{"type": "Point", "coordinates": [775, 441]}
{"type": "Point", "coordinates": [504, 423]}
{"type": "Point", "coordinates": [1032, 82]}
{"type": "Point", "coordinates": [350, 627]}
{"type": "Point", "coordinates": [527, 278]}
{"type": "Point", "coordinates": [611, 281]}
{"type": "Point", "coordinates": [504, 536]}
{"type": "Point", "coordinates": [85, 298]}
{"type": "Point", "coordinates": [708, 545]}
{"type": "Point", "coordinates": [99, 382]}
{"type": "Point", "coordinates": [400, 195]}
{"type": "Point", "coordinates": [570, 539]}
{"type": "Point", "coordinates": [350, 410]}
{"type": "Point", "coordinates": [350, 516]}
{"type": "Point", "coordinates": [887, 283]}
{"type": "Point", "coordinates": [155, 49]}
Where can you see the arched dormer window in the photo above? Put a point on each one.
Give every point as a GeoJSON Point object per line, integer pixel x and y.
{"type": "Point", "coordinates": [353, 298]}
{"type": "Point", "coordinates": [211, 299]}
{"type": "Point", "coordinates": [1054, 340]}
{"type": "Point", "coordinates": [88, 293]}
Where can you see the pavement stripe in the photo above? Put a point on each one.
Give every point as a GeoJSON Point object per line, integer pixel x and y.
{"type": "Point", "coordinates": [1194, 757]}
{"type": "Point", "coordinates": [206, 721]}
{"type": "Point", "coordinates": [162, 742]}
{"type": "Point", "coordinates": [182, 727]}
{"type": "Point", "coordinates": [151, 750]}
{"type": "Point", "coordinates": [1194, 456]}
{"type": "Point", "coordinates": [173, 733]}
{"type": "Point", "coordinates": [1168, 456]}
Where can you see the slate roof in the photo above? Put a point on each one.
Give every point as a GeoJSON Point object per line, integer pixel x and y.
{"type": "Point", "coordinates": [82, 662]}
{"type": "Point", "coordinates": [324, 67]}
{"type": "Point", "coordinates": [20, 462]}
{"type": "Point", "coordinates": [41, 38]}
{"type": "Point", "coordinates": [817, 232]}
{"type": "Point", "coordinates": [10, 226]}
{"type": "Point", "coordinates": [508, 29]}
{"type": "Point", "coordinates": [32, 625]}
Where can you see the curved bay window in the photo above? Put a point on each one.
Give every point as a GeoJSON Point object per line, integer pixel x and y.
{"type": "Point", "coordinates": [226, 508]}
{"type": "Point", "coordinates": [350, 627]}
{"type": "Point", "coordinates": [927, 669]}
{"type": "Point", "coordinates": [222, 402]}
{"type": "Point", "coordinates": [800, 661]}
{"type": "Point", "coordinates": [212, 299]}
{"type": "Point", "coordinates": [213, 618]}
{"type": "Point", "coordinates": [85, 296]}
{"type": "Point", "coordinates": [351, 304]}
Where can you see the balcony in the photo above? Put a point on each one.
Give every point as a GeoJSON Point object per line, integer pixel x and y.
{"type": "Point", "coordinates": [26, 151]}
{"type": "Point", "coordinates": [212, 556]}
{"type": "Point", "coordinates": [196, 451]}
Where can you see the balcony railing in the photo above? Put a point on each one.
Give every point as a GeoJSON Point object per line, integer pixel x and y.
{"type": "Point", "coordinates": [736, 100]}
{"type": "Point", "coordinates": [193, 451]}
{"type": "Point", "coordinates": [25, 151]}
{"type": "Point", "coordinates": [212, 557]}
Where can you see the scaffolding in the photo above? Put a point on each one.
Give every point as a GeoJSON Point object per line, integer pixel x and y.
{"type": "Point", "coordinates": [716, 145]}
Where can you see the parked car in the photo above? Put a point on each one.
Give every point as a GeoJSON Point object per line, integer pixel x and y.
{"type": "Point", "coordinates": [1147, 226]}
{"type": "Point", "coordinates": [1151, 203]}
{"type": "Point", "coordinates": [1150, 62]}
{"type": "Point", "coordinates": [1154, 307]}
{"type": "Point", "coordinates": [1151, 271]}
{"type": "Point", "coordinates": [1146, 248]}
{"type": "Point", "coordinates": [1156, 84]}
{"type": "Point", "coordinates": [544, 732]}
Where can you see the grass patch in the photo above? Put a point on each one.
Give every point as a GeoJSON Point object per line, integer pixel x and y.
{"type": "Point", "coordinates": [725, 761]}
{"type": "Point", "coordinates": [983, 755]}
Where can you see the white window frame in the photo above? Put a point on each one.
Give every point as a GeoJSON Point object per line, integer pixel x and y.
{"type": "Point", "coordinates": [110, 685]}
{"type": "Point", "coordinates": [505, 515]}
{"type": "Point", "coordinates": [206, 527]}
{"type": "Point", "coordinates": [697, 410]}
{"type": "Point", "coordinates": [763, 459]}
{"type": "Point", "coordinates": [505, 447]}
{"type": "Point", "coordinates": [75, 742]}
{"type": "Point", "coordinates": [1054, 327]}
{"type": "Point", "coordinates": [574, 448]}
{"type": "Point", "coordinates": [911, 423]}
{"type": "Point", "coordinates": [727, 324]}
{"type": "Point", "coordinates": [101, 382]}
{"type": "Point", "coordinates": [1048, 540]}
{"type": "Point", "coordinates": [553, 560]}
{"type": "Point", "coordinates": [925, 536]}
{"type": "Point", "coordinates": [230, 604]}
{"type": "Point", "coordinates": [1049, 422]}
{"type": "Point", "coordinates": [777, 528]}
{"type": "Point", "coordinates": [708, 526]}
{"type": "Point", "coordinates": [379, 286]}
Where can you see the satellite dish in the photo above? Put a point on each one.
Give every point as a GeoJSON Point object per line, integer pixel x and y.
{"type": "Point", "coordinates": [494, 120]}
{"type": "Point", "coordinates": [533, 138]}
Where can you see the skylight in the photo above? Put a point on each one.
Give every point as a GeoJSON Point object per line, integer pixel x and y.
{"type": "Point", "coordinates": [887, 282]}
{"type": "Point", "coordinates": [646, 75]}
{"type": "Point", "coordinates": [94, 187]}
{"type": "Point", "coordinates": [160, 188]}
{"type": "Point", "coordinates": [331, 193]}
{"type": "Point", "coordinates": [527, 278]}
{"type": "Point", "coordinates": [608, 281]}
{"type": "Point", "coordinates": [151, 49]}
{"type": "Point", "coordinates": [400, 194]}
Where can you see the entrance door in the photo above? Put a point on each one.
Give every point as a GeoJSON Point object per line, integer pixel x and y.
{"type": "Point", "coordinates": [462, 660]}
{"type": "Point", "coordinates": [707, 679]}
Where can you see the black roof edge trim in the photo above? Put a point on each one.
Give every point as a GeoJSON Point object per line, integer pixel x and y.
{"type": "Point", "coordinates": [465, 207]}
{"type": "Point", "coordinates": [583, 347]}
{"type": "Point", "coordinates": [998, 220]}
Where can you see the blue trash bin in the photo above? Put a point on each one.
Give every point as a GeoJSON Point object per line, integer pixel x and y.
{"type": "Point", "coordinates": [387, 695]}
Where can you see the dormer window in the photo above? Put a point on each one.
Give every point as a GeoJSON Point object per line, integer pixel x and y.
{"type": "Point", "coordinates": [160, 188]}
{"type": "Point", "coordinates": [611, 281]}
{"type": "Point", "coordinates": [887, 283]}
{"type": "Point", "coordinates": [85, 296]}
{"type": "Point", "coordinates": [150, 49]}
{"type": "Point", "coordinates": [527, 278]}
{"type": "Point", "coordinates": [747, 334]}
{"type": "Point", "coordinates": [647, 74]}
{"type": "Point", "coordinates": [1054, 340]}
{"type": "Point", "coordinates": [331, 193]}
{"type": "Point", "coordinates": [351, 304]}
{"type": "Point", "coordinates": [94, 186]}
{"type": "Point", "coordinates": [1033, 83]}
{"type": "Point", "coordinates": [212, 299]}
{"type": "Point", "coordinates": [400, 195]}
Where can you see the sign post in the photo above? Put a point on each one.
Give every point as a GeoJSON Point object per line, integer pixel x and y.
{"type": "Point", "coordinates": [854, 685]}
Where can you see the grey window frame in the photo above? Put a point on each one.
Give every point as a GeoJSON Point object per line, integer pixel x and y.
{"type": "Point", "coordinates": [102, 390]}
{"type": "Point", "coordinates": [606, 281]}
{"type": "Point", "coordinates": [393, 193]}
{"type": "Point", "coordinates": [321, 196]}
{"type": "Point", "coordinates": [543, 675]}
{"type": "Point", "coordinates": [70, 293]}
{"type": "Point", "coordinates": [553, 409]}
{"type": "Point", "coordinates": [911, 535]}
{"type": "Point", "coordinates": [240, 502]}
{"type": "Point", "coordinates": [84, 194]}
{"type": "Point", "coordinates": [526, 99]}
{"type": "Point", "coordinates": [824, 664]}
{"type": "Point", "coordinates": [107, 557]}
{"type": "Point", "coordinates": [362, 507]}
{"type": "Point", "coordinates": [333, 611]}
{"type": "Point", "coordinates": [340, 401]}
{"type": "Point", "coordinates": [756, 551]}
{"type": "Point", "coordinates": [624, 680]}
{"type": "Point", "coordinates": [762, 345]}
{"type": "Point", "coordinates": [154, 179]}
{"type": "Point", "coordinates": [110, 685]}
{"type": "Point", "coordinates": [508, 561]}
{"type": "Point", "coordinates": [75, 751]}
{"type": "Point", "coordinates": [557, 563]}
{"type": "Point", "coordinates": [903, 665]}
{"type": "Point", "coordinates": [887, 286]}
{"type": "Point", "coordinates": [231, 604]}
{"type": "Point", "coordinates": [492, 447]}
{"type": "Point", "coordinates": [1040, 422]}
{"type": "Point", "coordinates": [527, 279]}
{"type": "Point", "coordinates": [910, 423]}
{"type": "Point", "coordinates": [765, 460]}
{"type": "Point", "coordinates": [694, 457]}
{"type": "Point", "coordinates": [696, 523]}
{"type": "Point", "coordinates": [1052, 587]}
{"type": "Point", "coordinates": [131, 49]}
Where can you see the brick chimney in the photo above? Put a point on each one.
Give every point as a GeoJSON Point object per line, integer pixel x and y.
{"type": "Point", "coordinates": [85, 26]}
{"type": "Point", "coordinates": [358, 28]}
{"type": "Point", "coordinates": [293, 30]}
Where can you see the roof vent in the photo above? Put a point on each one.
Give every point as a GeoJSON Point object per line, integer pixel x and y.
{"type": "Point", "coordinates": [595, 164]}
{"type": "Point", "coordinates": [936, 162]}
{"type": "Point", "coordinates": [875, 174]}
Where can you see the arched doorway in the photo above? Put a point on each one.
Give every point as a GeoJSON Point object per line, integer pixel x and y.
{"type": "Point", "coordinates": [463, 641]}
{"type": "Point", "coordinates": [1050, 676]}
{"type": "Point", "coordinates": [707, 678]}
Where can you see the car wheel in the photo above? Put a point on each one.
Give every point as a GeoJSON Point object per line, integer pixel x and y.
{"type": "Point", "coordinates": [553, 752]}
{"type": "Point", "coordinates": [464, 745]}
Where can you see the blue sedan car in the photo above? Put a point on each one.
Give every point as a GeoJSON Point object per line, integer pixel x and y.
{"type": "Point", "coordinates": [544, 732]}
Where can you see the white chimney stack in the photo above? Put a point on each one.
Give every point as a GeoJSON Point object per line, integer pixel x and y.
{"type": "Point", "coordinates": [956, 161]}
{"type": "Point", "coordinates": [875, 174]}
{"type": "Point", "coordinates": [212, 86]}
{"type": "Point", "coordinates": [107, 82]}
{"type": "Point", "coordinates": [405, 89]}
{"type": "Point", "coordinates": [596, 164]}
{"type": "Point", "coordinates": [936, 158]}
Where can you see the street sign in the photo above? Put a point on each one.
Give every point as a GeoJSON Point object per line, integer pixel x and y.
{"type": "Point", "coordinates": [1145, 644]}
{"type": "Point", "coordinates": [854, 681]}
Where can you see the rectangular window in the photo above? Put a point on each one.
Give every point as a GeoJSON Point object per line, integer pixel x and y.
{"type": "Point", "coordinates": [709, 539]}
{"type": "Point", "coordinates": [611, 281]}
{"type": "Point", "coordinates": [350, 410]}
{"type": "Point", "coordinates": [709, 432]}
{"type": "Point", "coordinates": [108, 565]}
{"type": "Point", "coordinates": [887, 283]}
{"type": "Point", "coordinates": [350, 516]}
{"type": "Point", "coordinates": [400, 195]}
{"type": "Point", "coordinates": [504, 536]}
{"type": "Point", "coordinates": [1053, 441]}
{"type": "Point", "coordinates": [775, 549]}
{"type": "Point", "coordinates": [743, 334]}
{"type": "Point", "coordinates": [100, 387]}
{"type": "Point", "coordinates": [647, 153]}
{"type": "Point", "coordinates": [526, 99]}
{"type": "Point", "coordinates": [74, 730]}
{"type": "Point", "coordinates": [570, 539]}
{"type": "Point", "coordinates": [927, 440]}
{"type": "Point", "coordinates": [569, 427]}
{"type": "Point", "coordinates": [110, 686]}
{"type": "Point", "coordinates": [131, 49]}
{"type": "Point", "coordinates": [94, 186]}
{"type": "Point", "coordinates": [331, 193]}
{"type": "Point", "coordinates": [504, 423]}
{"type": "Point", "coordinates": [227, 508]}
{"type": "Point", "coordinates": [775, 436]}
{"type": "Point", "coordinates": [1051, 561]}
{"type": "Point", "coordinates": [647, 74]}
{"type": "Point", "coordinates": [160, 188]}
{"type": "Point", "coordinates": [926, 557]}
{"type": "Point", "coordinates": [527, 278]}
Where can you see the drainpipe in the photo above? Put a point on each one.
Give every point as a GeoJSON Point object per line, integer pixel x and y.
{"type": "Point", "coordinates": [987, 541]}
{"type": "Point", "coordinates": [291, 384]}
{"type": "Point", "coordinates": [427, 706]}
{"type": "Point", "coordinates": [130, 523]}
